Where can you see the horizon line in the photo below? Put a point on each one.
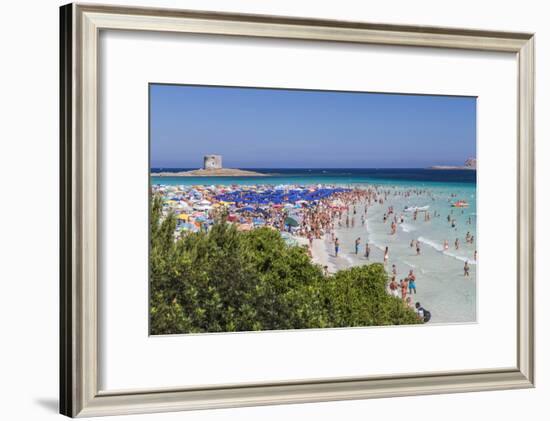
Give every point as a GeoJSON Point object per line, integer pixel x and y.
{"type": "Point", "coordinates": [321, 168]}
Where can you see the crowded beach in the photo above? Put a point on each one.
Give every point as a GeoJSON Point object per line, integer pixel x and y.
{"type": "Point", "coordinates": [321, 218]}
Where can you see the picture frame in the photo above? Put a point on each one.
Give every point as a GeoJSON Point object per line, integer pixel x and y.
{"type": "Point", "coordinates": [79, 162]}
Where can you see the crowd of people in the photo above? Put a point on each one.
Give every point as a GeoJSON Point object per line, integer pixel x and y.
{"type": "Point", "coordinates": [313, 213]}
{"type": "Point", "coordinates": [355, 209]}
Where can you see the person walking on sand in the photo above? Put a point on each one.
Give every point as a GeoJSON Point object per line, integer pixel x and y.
{"type": "Point", "coordinates": [466, 269]}
{"type": "Point", "coordinates": [475, 255]}
{"type": "Point", "coordinates": [336, 247]}
{"type": "Point", "coordinates": [357, 243]}
{"type": "Point", "coordinates": [367, 250]}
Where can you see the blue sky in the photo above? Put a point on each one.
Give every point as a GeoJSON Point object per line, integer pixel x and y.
{"type": "Point", "coordinates": [278, 128]}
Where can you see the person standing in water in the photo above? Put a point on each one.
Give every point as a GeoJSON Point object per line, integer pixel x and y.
{"type": "Point", "coordinates": [367, 251]}
{"type": "Point", "coordinates": [404, 288]}
{"type": "Point", "coordinates": [386, 254]}
{"type": "Point", "coordinates": [412, 285]}
{"type": "Point", "coordinates": [336, 247]}
{"type": "Point", "coordinates": [394, 288]}
{"type": "Point", "coordinates": [357, 243]}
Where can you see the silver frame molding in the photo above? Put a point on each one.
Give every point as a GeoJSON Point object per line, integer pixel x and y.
{"type": "Point", "coordinates": [79, 30]}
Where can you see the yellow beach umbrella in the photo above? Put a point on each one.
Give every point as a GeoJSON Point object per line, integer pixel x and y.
{"type": "Point", "coordinates": [183, 217]}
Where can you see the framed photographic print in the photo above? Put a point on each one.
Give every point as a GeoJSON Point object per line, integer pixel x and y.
{"type": "Point", "coordinates": [260, 210]}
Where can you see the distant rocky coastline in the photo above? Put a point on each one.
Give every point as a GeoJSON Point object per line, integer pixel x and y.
{"type": "Point", "coordinates": [470, 164]}
{"type": "Point", "coordinates": [211, 172]}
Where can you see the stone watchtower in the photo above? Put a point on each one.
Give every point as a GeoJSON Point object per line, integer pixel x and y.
{"type": "Point", "coordinates": [212, 162]}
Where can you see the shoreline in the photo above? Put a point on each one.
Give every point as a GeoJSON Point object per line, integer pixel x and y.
{"type": "Point", "coordinates": [320, 254]}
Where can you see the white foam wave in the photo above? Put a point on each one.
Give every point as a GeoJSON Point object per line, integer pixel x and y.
{"type": "Point", "coordinates": [431, 243]}
{"type": "Point", "coordinates": [439, 248]}
{"type": "Point", "coordinates": [407, 227]}
{"type": "Point", "coordinates": [409, 264]}
{"type": "Point", "coordinates": [458, 257]}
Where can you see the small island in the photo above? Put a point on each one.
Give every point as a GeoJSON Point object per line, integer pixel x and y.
{"type": "Point", "coordinates": [470, 164]}
{"type": "Point", "coordinates": [212, 167]}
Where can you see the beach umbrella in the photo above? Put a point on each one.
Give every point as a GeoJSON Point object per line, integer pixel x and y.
{"type": "Point", "coordinates": [183, 217]}
{"type": "Point", "coordinates": [291, 222]}
{"type": "Point", "coordinates": [246, 209]}
{"type": "Point", "coordinates": [188, 227]}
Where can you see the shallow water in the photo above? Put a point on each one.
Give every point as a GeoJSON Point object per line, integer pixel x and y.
{"type": "Point", "coordinates": [441, 285]}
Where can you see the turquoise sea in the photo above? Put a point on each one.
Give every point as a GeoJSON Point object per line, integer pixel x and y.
{"type": "Point", "coordinates": [442, 287]}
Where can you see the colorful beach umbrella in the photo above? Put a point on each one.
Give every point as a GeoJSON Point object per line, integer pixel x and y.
{"type": "Point", "coordinates": [291, 222]}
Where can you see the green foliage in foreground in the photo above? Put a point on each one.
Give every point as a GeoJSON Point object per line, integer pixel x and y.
{"type": "Point", "coordinates": [225, 280]}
